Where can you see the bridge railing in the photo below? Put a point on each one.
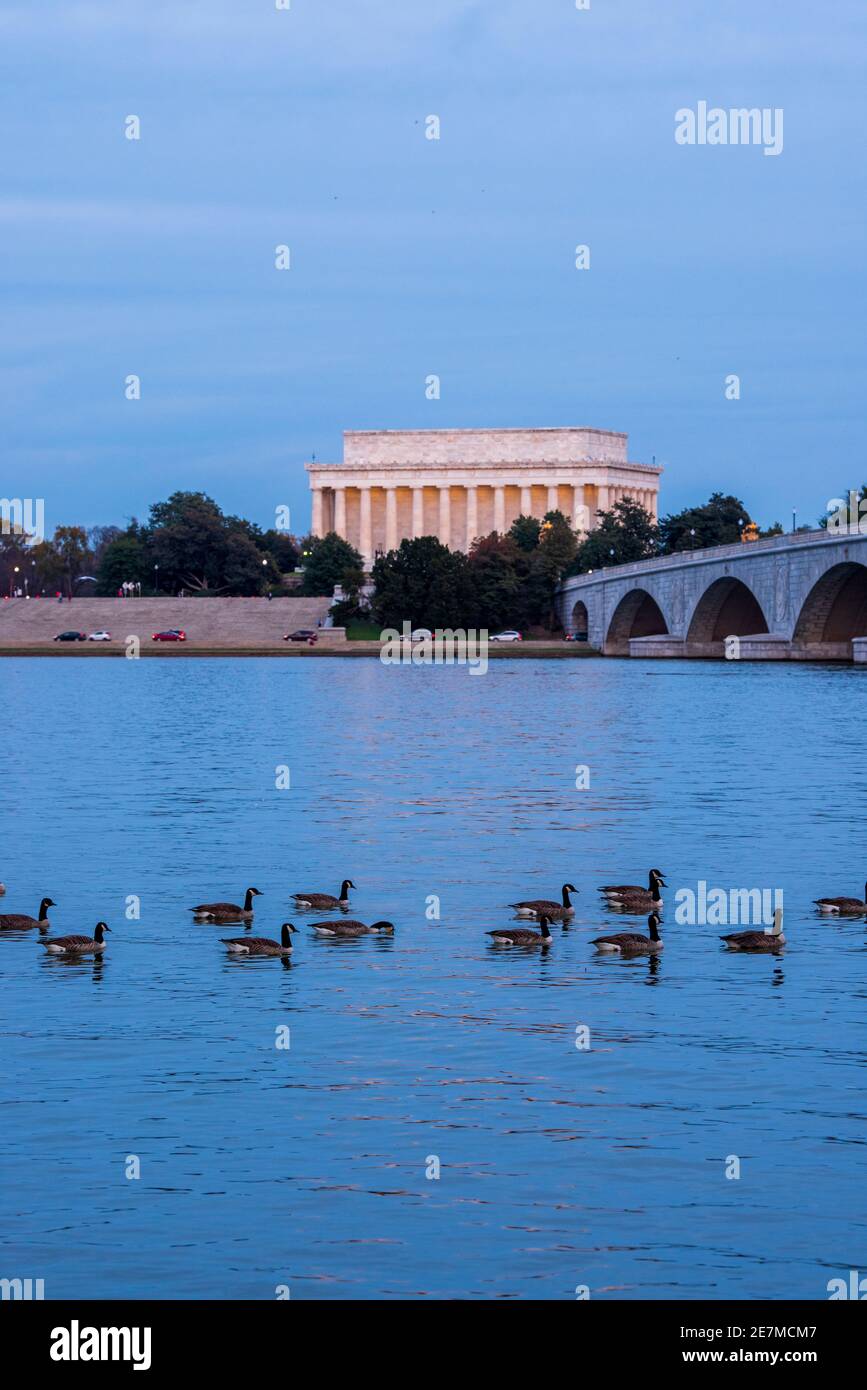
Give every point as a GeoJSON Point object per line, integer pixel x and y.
{"type": "Point", "coordinates": [739, 549]}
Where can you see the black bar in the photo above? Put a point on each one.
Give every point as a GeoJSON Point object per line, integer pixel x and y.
{"type": "Point", "coordinates": [254, 1338]}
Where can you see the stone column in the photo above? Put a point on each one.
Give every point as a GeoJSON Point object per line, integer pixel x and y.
{"type": "Point", "coordinates": [316, 526]}
{"type": "Point", "coordinates": [472, 515]}
{"type": "Point", "coordinates": [526, 501]}
{"type": "Point", "coordinates": [340, 511]}
{"type": "Point", "coordinates": [391, 518]}
{"type": "Point", "coordinates": [445, 527]}
{"type": "Point", "coordinates": [366, 531]}
{"type": "Point", "coordinates": [580, 517]}
{"type": "Point", "coordinates": [417, 512]}
{"type": "Point", "coordinates": [553, 497]}
{"type": "Point", "coordinates": [499, 509]}
{"type": "Point", "coordinates": [602, 502]}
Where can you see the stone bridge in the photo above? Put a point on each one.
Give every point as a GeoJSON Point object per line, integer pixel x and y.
{"type": "Point", "coordinates": [800, 597]}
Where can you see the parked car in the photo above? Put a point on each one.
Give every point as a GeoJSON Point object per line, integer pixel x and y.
{"type": "Point", "coordinates": [508, 636]}
{"type": "Point", "coordinates": [172, 634]}
{"type": "Point", "coordinates": [575, 637]}
{"type": "Point", "coordinates": [421, 634]}
{"type": "Point", "coordinates": [101, 636]}
{"type": "Point", "coordinates": [304, 634]}
{"type": "Point", "coordinates": [71, 637]}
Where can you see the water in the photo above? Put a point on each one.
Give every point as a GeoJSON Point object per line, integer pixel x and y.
{"type": "Point", "coordinates": [306, 1167]}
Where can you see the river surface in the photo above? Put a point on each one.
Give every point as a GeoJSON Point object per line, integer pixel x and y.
{"type": "Point", "coordinates": [310, 1168]}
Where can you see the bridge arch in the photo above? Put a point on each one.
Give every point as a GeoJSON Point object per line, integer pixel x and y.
{"type": "Point", "coordinates": [636, 615]}
{"type": "Point", "coordinates": [727, 608]}
{"type": "Point", "coordinates": [580, 620]}
{"type": "Point", "coordinates": [835, 609]}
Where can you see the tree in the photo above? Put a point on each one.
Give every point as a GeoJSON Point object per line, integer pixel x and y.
{"type": "Point", "coordinates": [245, 569]}
{"type": "Point", "coordinates": [70, 543]}
{"type": "Point", "coordinates": [187, 539]}
{"type": "Point", "coordinates": [284, 549]}
{"type": "Point", "coordinates": [326, 561]}
{"type": "Point", "coordinates": [718, 522]}
{"type": "Point", "coordinates": [499, 569]}
{"type": "Point", "coordinates": [624, 534]}
{"type": "Point", "coordinates": [423, 583]}
{"type": "Point", "coordinates": [524, 530]}
{"type": "Point", "coordinates": [124, 560]}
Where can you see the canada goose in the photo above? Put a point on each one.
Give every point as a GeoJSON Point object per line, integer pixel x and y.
{"type": "Point", "coordinates": [555, 912]}
{"type": "Point", "coordinates": [12, 921]}
{"type": "Point", "coordinates": [346, 927]}
{"type": "Point", "coordinates": [325, 899]}
{"type": "Point", "coordinates": [633, 893]}
{"type": "Point", "coordinates": [261, 945]}
{"type": "Point", "coordinates": [77, 945]}
{"type": "Point", "coordinates": [522, 936]}
{"type": "Point", "coordinates": [228, 912]}
{"type": "Point", "coordinates": [758, 940]}
{"type": "Point", "coordinates": [842, 906]}
{"type": "Point", "coordinates": [632, 943]}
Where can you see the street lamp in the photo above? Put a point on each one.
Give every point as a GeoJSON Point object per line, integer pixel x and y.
{"type": "Point", "coordinates": [12, 581]}
{"type": "Point", "coordinates": [156, 579]}
{"type": "Point", "coordinates": [794, 519]}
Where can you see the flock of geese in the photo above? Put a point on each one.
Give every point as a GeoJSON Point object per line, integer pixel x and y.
{"type": "Point", "coordinates": [621, 897]}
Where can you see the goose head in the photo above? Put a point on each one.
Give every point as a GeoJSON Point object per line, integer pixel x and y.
{"type": "Point", "coordinates": [656, 879]}
{"type": "Point", "coordinates": [386, 928]}
{"type": "Point", "coordinates": [545, 926]}
{"type": "Point", "coordinates": [285, 939]}
{"type": "Point", "coordinates": [101, 928]}
{"type": "Point", "coordinates": [653, 926]}
{"type": "Point", "coordinates": [777, 928]}
{"type": "Point", "coordinates": [46, 902]}
{"type": "Point", "coordinates": [567, 889]}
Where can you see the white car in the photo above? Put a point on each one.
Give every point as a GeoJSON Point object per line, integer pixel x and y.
{"type": "Point", "coordinates": [101, 636]}
{"type": "Point", "coordinates": [422, 634]}
{"type": "Point", "coordinates": [508, 636]}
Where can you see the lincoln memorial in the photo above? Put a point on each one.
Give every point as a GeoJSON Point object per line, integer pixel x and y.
{"type": "Point", "coordinates": [459, 484]}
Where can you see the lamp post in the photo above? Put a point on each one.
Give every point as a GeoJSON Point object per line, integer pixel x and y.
{"type": "Point", "coordinates": [156, 579]}
{"type": "Point", "coordinates": [794, 519]}
{"type": "Point", "coordinates": [12, 581]}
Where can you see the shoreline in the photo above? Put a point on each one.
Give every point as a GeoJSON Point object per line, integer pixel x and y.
{"type": "Point", "coordinates": [555, 651]}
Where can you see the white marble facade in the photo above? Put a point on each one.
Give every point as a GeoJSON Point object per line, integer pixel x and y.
{"type": "Point", "coordinates": [460, 484]}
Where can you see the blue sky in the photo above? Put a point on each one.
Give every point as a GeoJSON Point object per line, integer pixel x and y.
{"type": "Point", "coordinates": [412, 257]}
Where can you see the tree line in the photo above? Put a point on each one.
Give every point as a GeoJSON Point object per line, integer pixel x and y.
{"type": "Point", "coordinates": [189, 545]}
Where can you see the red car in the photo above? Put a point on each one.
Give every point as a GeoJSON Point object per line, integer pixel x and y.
{"type": "Point", "coordinates": [173, 634]}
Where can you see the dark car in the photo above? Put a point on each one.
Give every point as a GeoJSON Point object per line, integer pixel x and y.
{"type": "Point", "coordinates": [71, 637]}
{"type": "Point", "coordinates": [172, 634]}
{"type": "Point", "coordinates": [304, 634]}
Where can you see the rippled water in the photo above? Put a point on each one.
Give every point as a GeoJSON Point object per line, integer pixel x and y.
{"type": "Point", "coordinates": [307, 1167]}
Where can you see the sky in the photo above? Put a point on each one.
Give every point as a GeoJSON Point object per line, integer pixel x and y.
{"type": "Point", "coordinates": [412, 257]}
